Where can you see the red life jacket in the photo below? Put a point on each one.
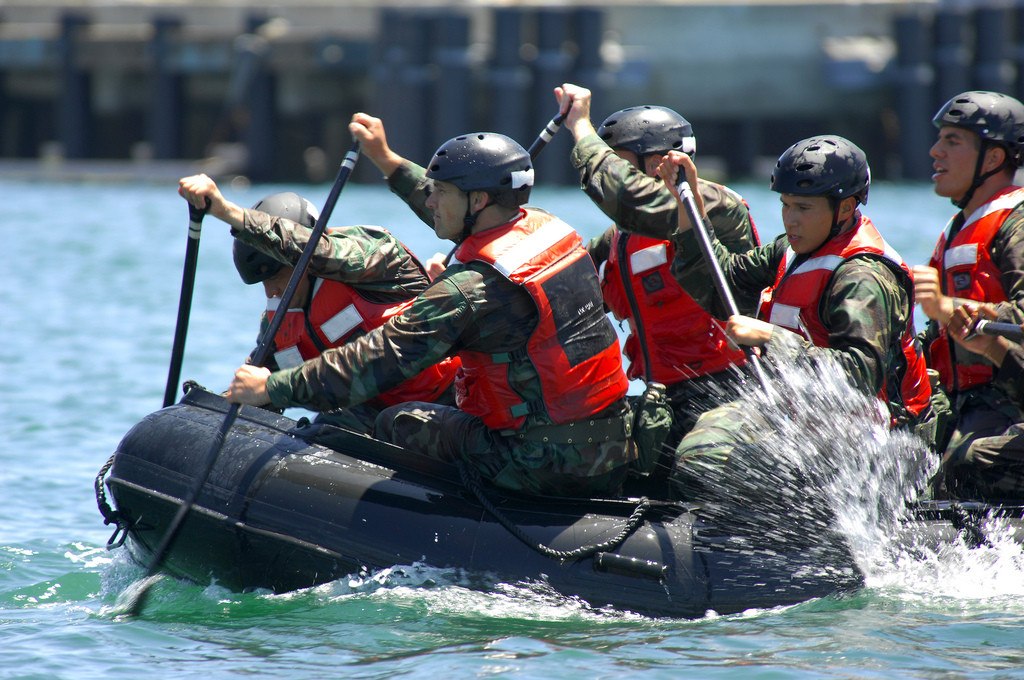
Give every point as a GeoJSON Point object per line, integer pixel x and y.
{"type": "Point", "coordinates": [667, 327]}
{"type": "Point", "coordinates": [336, 313]}
{"type": "Point", "coordinates": [574, 348]}
{"type": "Point", "coordinates": [967, 270]}
{"type": "Point", "coordinates": [793, 302]}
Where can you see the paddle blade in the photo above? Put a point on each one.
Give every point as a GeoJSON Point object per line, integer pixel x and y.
{"type": "Point", "coordinates": [132, 600]}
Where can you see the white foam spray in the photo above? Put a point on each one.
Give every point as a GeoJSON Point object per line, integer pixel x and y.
{"type": "Point", "coordinates": [828, 465]}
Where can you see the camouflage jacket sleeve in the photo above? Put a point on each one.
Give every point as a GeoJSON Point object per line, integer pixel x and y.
{"type": "Point", "coordinates": [1008, 255]}
{"type": "Point", "coordinates": [635, 202]}
{"type": "Point", "coordinates": [865, 310]}
{"type": "Point", "coordinates": [467, 307]}
{"type": "Point", "coordinates": [643, 205]}
{"type": "Point", "coordinates": [1010, 375]}
{"type": "Point", "coordinates": [410, 183]}
{"type": "Point", "coordinates": [366, 257]}
{"type": "Point", "coordinates": [746, 274]}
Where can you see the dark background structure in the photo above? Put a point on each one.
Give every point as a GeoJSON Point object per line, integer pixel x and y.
{"type": "Point", "coordinates": [264, 89]}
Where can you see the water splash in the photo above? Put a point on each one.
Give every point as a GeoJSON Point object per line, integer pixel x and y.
{"type": "Point", "coordinates": [822, 471]}
{"type": "Point", "coordinates": [809, 466]}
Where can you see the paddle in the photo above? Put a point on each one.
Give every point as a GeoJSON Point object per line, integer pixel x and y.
{"type": "Point", "coordinates": [687, 201]}
{"type": "Point", "coordinates": [188, 279]}
{"type": "Point", "coordinates": [137, 595]}
{"type": "Point", "coordinates": [545, 136]}
{"type": "Point", "coordinates": [1010, 331]}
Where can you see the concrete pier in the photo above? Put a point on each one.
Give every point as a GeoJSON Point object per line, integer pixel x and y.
{"type": "Point", "coordinates": [264, 89]}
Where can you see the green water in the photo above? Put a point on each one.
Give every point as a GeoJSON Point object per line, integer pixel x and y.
{"type": "Point", "coordinates": [88, 309]}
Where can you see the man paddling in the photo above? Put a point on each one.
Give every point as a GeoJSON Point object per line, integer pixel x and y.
{"type": "Point", "coordinates": [541, 391]}
{"type": "Point", "coordinates": [672, 341]}
{"type": "Point", "coordinates": [359, 277]}
{"type": "Point", "coordinates": [979, 257]}
{"type": "Point", "coordinates": [832, 288]}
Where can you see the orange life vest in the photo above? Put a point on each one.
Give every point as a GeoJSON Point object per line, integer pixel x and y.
{"type": "Point", "coordinates": [967, 271]}
{"type": "Point", "coordinates": [793, 302]}
{"type": "Point", "coordinates": [671, 337]}
{"type": "Point", "coordinates": [336, 313]}
{"type": "Point", "coordinates": [573, 348]}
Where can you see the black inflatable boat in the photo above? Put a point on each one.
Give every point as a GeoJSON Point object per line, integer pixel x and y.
{"type": "Point", "coordinates": [290, 505]}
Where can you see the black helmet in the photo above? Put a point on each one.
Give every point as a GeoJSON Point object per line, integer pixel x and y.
{"type": "Point", "coordinates": [255, 266]}
{"type": "Point", "coordinates": [995, 117]}
{"type": "Point", "coordinates": [823, 166]}
{"type": "Point", "coordinates": [484, 161]}
{"type": "Point", "coordinates": [648, 129]}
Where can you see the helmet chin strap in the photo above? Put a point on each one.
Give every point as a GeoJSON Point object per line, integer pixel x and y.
{"type": "Point", "coordinates": [469, 221]}
{"type": "Point", "coordinates": [979, 178]}
{"type": "Point", "coordinates": [836, 226]}
{"type": "Point", "coordinates": [834, 231]}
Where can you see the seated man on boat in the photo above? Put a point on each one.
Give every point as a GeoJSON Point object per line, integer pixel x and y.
{"type": "Point", "coordinates": [541, 391]}
{"type": "Point", "coordinates": [978, 257]}
{"type": "Point", "coordinates": [831, 289]}
{"type": "Point", "coordinates": [359, 277]}
{"type": "Point", "coordinates": [673, 341]}
{"type": "Point", "coordinates": [992, 468]}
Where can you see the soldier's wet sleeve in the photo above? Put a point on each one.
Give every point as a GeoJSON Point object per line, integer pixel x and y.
{"type": "Point", "coordinates": [410, 183]}
{"type": "Point", "coordinates": [1008, 255]}
{"type": "Point", "coordinates": [364, 256]}
{"type": "Point", "coordinates": [746, 274]}
{"type": "Point", "coordinates": [729, 216]}
{"type": "Point", "coordinates": [359, 370]}
{"type": "Point", "coordinates": [865, 311]}
{"type": "Point", "coordinates": [635, 202]}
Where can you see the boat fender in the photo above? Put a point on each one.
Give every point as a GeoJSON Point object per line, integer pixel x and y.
{"type": "Point", "coordinates": [612, 563]}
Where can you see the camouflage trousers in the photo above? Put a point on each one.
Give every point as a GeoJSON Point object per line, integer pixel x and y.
{"type": "Point", "coordinates": [985, 456]}
{"type": "Point", "coordinates": [731, 465]}
{"type": "Point", "coordinates": [557, 469]}
{"type": "Point", "coordinates": [713, 452]}
{"type": "Point", "coordinates": [993, 468]}
{"type": "Point", "coordinates": [692, 398]}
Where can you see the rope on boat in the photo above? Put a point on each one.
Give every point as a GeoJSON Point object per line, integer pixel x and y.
{"type": "Point", "coordinates": [471, 479]}
{"type": "Point", "coordinates": [110, 516]}
{"type": "Point", "coordinates": [968, 526]}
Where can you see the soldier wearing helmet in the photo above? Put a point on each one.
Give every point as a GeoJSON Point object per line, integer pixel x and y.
{"type": "Point", "coordinates": [541, 392]}
{"type": "Point", "coordinates": [672, 340]}
{"type": "Point", "coordinates": [979, 257]}
{"type": "Point", "coordinates": [831, 288]}
{"type": "Point", "coordinates": [359, 277]}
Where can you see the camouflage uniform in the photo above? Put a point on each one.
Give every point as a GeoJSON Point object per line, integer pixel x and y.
{"type": "Point", "coordinates": [643, 205]}
{"type": "Point", "coordinates": [992, 468]}
{"type": "Point", "coordinates": [866, 309]}
{"type": "Point", "coordinates": [368, 258]}
{"type": "Point", "coordinates": [987, 411]}
{"type": "Point", "coordinates": [468, 307]}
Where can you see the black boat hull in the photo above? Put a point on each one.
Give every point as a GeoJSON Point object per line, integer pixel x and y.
{"type": "Point", "coordinates": [279, 512]}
